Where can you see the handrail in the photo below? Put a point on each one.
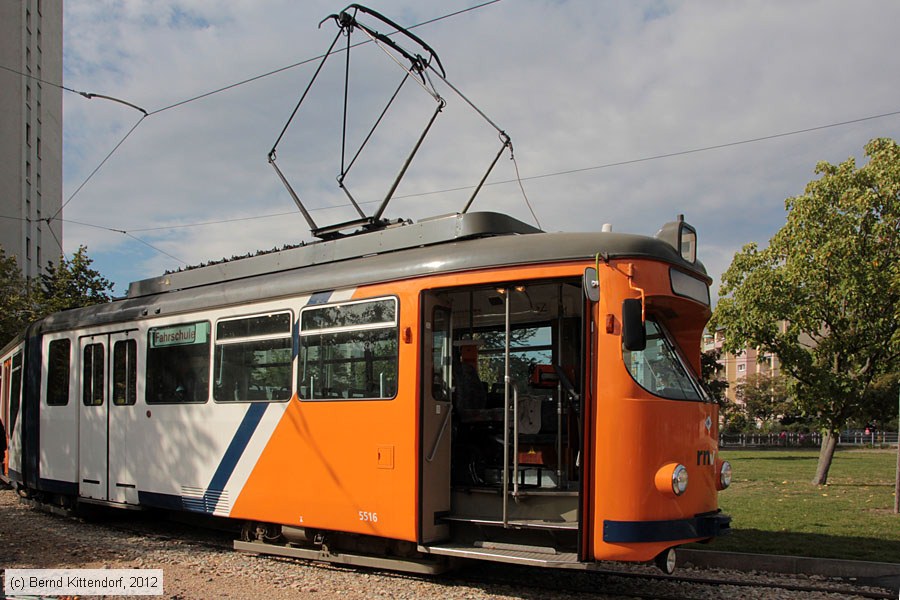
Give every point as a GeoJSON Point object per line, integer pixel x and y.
{"type": "Point", "coordinates": [515, 390]}
{"type": "Point", "coordinates": [437, 442]}
{"type": "Point", "coordinates": [507, 380]}
{"type": "Point", "coordinates": [506, 455]}
{"type": "Point", "coordinates": [515, 470]}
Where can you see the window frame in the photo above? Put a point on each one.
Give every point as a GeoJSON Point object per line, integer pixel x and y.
{"type": "Point", "coordinates": [51, 399]}
{"type": "Point", "coordinates": [255, 338]}
{"type": "Point", "coordinates": [302, 333]}
{"type": "Point", "coordinates": [675, 350]}
{"type": "Point", "coordinates": [94, 394]}
{"type": "Point", "coordinates": [131, 361]}
{"type": "Point", "coordinates": [148, 386]}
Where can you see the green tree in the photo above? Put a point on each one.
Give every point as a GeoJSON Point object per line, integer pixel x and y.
{"type": "Point", "coordinates": [16, 307]}
{"type": "Point", "coordinates": [832, 274]}
{"type": "Point", "coordinates": [765, 397]}
{"type": "Point", "coordinates": [880, 407]}
{"type": "Point", "coordinates": [71, 283]}
{"type": "Point", "coordinates": [711, 370]}
{"type": "Point", "coordinates": [729, 412]}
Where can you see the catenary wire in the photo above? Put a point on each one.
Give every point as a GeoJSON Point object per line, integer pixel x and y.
{"type": "Point", "coordinates": [527, 178]}
{"type": "Point", "coordinates": [667, 155]}
{"type": "Point", "coordinates": [309, 60]}
{"type": "Point", "coordinates": [89, 96]}
{"type": "Point", "coordinates": [568, 171]}
{"type": "Point", "coordinates": [113, 230]}
{"type": "Point", "coordinates": [519, 179]}
{"type": "Point", "coordinates": [125, 233]}
{"type": "Point", "coordinates": [97, 168]}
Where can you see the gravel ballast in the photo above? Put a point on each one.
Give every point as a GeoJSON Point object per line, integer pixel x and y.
{"type": "Point", "coordinates": [199, 563]}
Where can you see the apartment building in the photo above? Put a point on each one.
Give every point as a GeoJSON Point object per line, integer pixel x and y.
{"type": "Point", "coordinates": [735, 367]}
{"type": "Point", "coordinates": [31, 43]}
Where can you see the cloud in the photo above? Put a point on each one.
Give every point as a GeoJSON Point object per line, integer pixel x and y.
{"type": "Point", "coordinates": [576, 84]}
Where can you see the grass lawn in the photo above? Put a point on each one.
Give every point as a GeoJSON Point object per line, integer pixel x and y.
{"type": "Point", "coordinates": [775, 510]}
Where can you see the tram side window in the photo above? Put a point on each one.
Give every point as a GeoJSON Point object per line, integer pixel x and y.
{"type": "Point", "coordinates": [349, 351]}
{"type": "Point", "coordinates": [253, 358]}
{"type": "Point", "coordinates": [92, 375]}
{"type": "Point", "coordinates": [125, 372]}
{"type": "Point", "coordinates": [178, 363]}
{"type": "Point", "coordinates": [58, 372]}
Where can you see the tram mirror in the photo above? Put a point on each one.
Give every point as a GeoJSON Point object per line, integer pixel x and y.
{"type": "Point", "coordinates": [634, 334]}
{"type": "Point", "coordinates": [591, 284]}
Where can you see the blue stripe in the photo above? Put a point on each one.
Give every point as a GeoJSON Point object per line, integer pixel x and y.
{"type": "Point", "coordinates": [238, 445]}
{"type": "Point", "coordinates": [626, 532]}
{"type": "Point", "coordinates": [319, 298]}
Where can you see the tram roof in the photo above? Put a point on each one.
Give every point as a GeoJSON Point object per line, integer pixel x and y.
{"type": "Point", "coordinates": [401, 236]}
{"type": "Point", "coordinates": [472, 241]}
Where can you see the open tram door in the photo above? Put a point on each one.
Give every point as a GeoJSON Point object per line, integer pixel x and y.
{"type": "Point", "coordinates": [502, 427]}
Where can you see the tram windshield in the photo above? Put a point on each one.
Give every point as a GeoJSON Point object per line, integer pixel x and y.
{"type": "Point", "coordinates": [660, 370]}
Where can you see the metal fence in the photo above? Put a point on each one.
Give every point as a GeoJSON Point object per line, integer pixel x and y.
{"type": "Point", "coordinates": [791, 439]}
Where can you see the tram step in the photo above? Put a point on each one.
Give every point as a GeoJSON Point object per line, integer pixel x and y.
{"type": "Point", "coordinates": [538, 556]}
{"type": "Point", "coordinates": [410, 565]}
{"type": "Point", "coordinates": [515, 524]}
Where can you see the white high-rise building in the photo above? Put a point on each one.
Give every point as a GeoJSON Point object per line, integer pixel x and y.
{"type": "Point", "coordinates": [31, 57]}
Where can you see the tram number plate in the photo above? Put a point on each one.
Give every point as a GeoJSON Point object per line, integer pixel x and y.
{"type": "Point", "coordinates": [368, 517]}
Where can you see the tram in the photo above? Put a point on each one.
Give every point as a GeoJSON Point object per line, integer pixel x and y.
{"type": "Point", "coordinates": [467, 386]}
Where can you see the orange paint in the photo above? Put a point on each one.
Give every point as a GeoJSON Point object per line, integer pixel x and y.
{"type": "Point", "coordinates": [353, 465]}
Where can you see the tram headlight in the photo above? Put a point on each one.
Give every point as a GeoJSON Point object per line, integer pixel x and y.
{"type": "Point", "coordinates": [724, 475]}
{"type": "Point", "coordinates": [679, 480]}
{"type": "Point", "coordinates": [672, 479]}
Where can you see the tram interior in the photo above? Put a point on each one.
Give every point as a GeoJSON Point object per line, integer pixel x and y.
{"type": "Point", "coordinates": [543, 355]}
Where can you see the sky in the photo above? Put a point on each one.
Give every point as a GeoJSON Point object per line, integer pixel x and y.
{"type": "Point", "coordinates": [627, 113]}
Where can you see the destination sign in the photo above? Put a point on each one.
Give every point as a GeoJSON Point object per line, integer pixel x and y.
{"type": "Point", "coordinates": [179, 335]}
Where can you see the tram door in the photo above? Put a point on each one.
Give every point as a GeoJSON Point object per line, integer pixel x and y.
{"type": "Point", "coordinates": [93, 419]}
{"type": "Point", "coordinates": [122, 396]}
{"type": "Point", "coordinates": [436, 422]}
{"type": "Point", "coordinates": [99, 375]}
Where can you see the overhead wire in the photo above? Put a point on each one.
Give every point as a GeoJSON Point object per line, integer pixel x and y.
{"type": "Point", "coordinates": [666, 155]}
{"type": "Point", "coordinates": [518, 178]}
{"type": "Point", "coordinates": [111, 229]}
{"type": "Point", "coordinates": [90, 95]}
{"type": "Point", "coordinates": [125, 233]}
{"type": "Point", "coordinates": [570, 171]}
{"type": "Point", "coordinates": [97, 168]}
{"type": "Point", "coordinates": [309, 60]}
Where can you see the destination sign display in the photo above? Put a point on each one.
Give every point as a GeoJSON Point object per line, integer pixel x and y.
{"type": "Point", "coordinates": [179, 335]}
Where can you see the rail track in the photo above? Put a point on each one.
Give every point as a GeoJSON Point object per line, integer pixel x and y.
{"type": "Point", "coordinates": [687, 584]}
{"type": "Point", "coordinates": [502, 580]}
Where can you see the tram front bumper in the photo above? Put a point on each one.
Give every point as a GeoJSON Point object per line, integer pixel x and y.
{"type": "Point", "coordinates": [700, 526]}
